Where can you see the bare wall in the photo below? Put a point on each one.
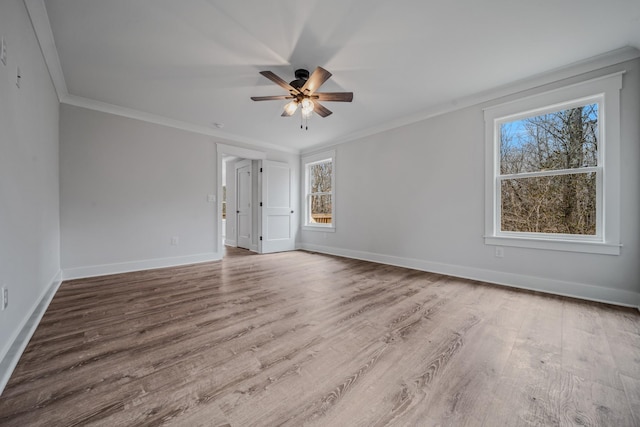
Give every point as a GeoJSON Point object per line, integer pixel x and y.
{"type": "Point", "coordinates": [127, 188]}
{"type": "Point", "coordinates": [29, 205]}
{"type": "Point", "coordinates": [414, 196]}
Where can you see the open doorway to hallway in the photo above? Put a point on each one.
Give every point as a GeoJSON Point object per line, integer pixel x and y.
{"type": "Point", "coordinates": [240, 203]}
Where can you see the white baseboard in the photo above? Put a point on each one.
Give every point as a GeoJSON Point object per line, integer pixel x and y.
{"type": "Point", "coordinates": [229, 242]}
{"type": "Point", "coordinates": [532, 283]}
{"type": "Point", "coordinates": [23, 334]}
{"type": "Point", "coordinates": [127, 267]}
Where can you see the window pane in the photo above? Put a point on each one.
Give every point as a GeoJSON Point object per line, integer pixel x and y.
{"type": "Point", "coordinates": [565, 139]}
{"type": "Point", "coordinates": [320, 177]}
{"type": "Point", "coordinates": [320, 209]}
{"type": "Point", "coordinates": [224, 202]}
{"type": "Point", "coordinates": [563, 204]}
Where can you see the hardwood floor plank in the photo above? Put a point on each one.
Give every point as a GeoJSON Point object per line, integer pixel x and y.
{"type": "Point", "coordinates": [632, 389]}
{"type": "Point", "coordinates": [299, 338]}
{"type": "Point", "coordinates": [582, 351]}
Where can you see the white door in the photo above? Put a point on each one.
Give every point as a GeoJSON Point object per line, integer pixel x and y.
{"type": "Point", "coordinates": [276, 208]}
{"type": "Point", "coordinates": [243, 205]}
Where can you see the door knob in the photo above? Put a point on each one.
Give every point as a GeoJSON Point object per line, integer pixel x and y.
{"type": "Point", "coordinates": [291, 211]}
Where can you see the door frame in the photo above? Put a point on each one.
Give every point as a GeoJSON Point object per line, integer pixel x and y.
{"type": "Point", "coordinates": [223, 150]}
{"type": "Point", "coordinates": [241, 164]}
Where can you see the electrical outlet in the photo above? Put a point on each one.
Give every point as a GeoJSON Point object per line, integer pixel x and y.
{"type": "Point", "coordinates": [4, 298]}
{"type": "Point", "coordinates": [174, 241]}
{"type": "Point", "coordinates": [499, 252]}
{"type": "Point", "coordinates": [3, 51]}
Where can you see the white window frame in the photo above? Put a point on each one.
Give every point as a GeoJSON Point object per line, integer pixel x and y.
{"type": "Point", "coordinates": [308, 161]}
{"type": "Point", "coordinates": [602, 90]}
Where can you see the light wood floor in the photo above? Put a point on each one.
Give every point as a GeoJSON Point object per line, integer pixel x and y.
{"type": "Point", "coordinates": [306, 339]}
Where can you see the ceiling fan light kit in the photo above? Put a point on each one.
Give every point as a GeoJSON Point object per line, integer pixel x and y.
{"type": "Point", "coordinates": [302, 93]}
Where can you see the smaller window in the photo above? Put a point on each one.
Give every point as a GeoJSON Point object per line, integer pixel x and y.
{"type": "Point", "coordinates": [319, 191]}
{"type": "Point", "coordinates": [224, 202]}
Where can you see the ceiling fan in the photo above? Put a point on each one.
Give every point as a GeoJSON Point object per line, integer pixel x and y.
{"type": "Point", "coordinates": [302, 93]}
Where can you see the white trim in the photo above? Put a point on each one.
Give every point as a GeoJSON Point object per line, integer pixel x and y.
{"type": "Point", "coordinates": [606, 89]}
{"type": "Point", "coordinates": [231, 150]}
{"type": "Point", "coordinates": [244, 163]}
{"type": "Point", "coordinates": [559, 245]}
{"type": "Point", "coordinates": [131, 266]}
{"type": "Point", "coordinates": [15, 347]}
{"type": "Point", "coordinates": [557, 172]}
{"type": "Point", "coordinates": [42, 28]}
{"type": "Point", "coordinates": [550, 286]}
{"type": "Point", "coordinates": [306, 161]}
{"type": "Point", "coordinates": [594, 63]}
{"type": "Point", "coordinates": [318, 157]}
{"type": "Point", "coordinates": [132, 113]}
{"type": "Point", "coordinates": [320, 227]}
{"type": "Point", "coordinates": [229, 242]}
{"type": "Point", "coordinates": [244, 153]}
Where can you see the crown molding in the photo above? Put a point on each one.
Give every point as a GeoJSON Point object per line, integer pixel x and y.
{"type": "Point", "coordinates": [614, 57]}
{"type": "Point", "coordinates": [132, 113]}
{"type": "Point", "coordinates": [41, 26]}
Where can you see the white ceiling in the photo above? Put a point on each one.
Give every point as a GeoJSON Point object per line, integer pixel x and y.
{"type": "Point", "coordinates": [196, 62]}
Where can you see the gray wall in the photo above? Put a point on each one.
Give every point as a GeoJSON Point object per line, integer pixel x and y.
{"type": "Point", "coordinates": [414, 196]}
{"type": "Point", "coordinates": [127, 187]}
{"type": "Point", "coordinates": [29, 210]}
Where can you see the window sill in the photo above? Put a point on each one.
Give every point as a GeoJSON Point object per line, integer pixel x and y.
{"type": "Point", "coordinates": [325, 228]}
{"type": "Point", "coordinates": [555, 245]}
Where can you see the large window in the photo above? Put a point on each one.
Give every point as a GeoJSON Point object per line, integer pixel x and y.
{"type": "Point", "coordinates": [553, 169]}
{"type": "Point", "coordinates": [319, 191]}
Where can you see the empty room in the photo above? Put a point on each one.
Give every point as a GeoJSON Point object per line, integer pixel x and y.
{"type": "Point", "coordinates": [319, 213]}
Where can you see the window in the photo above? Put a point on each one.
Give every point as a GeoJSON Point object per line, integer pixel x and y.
{"type": "Point", "coordinates": [224, 202]}
{"type": "Point", "coordinates": [319, 175]}
{"type": "Point", "coordinates": [552, 164]}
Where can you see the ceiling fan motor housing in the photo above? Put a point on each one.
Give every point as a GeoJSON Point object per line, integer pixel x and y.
{"type": "Point", "coordinates": [302, 76]}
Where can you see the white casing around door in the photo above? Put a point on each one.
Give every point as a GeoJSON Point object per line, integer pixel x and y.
{"type": "Point", "coordinates": [277, 234]}
{"type": "Point", "coordinates": [243, 204]}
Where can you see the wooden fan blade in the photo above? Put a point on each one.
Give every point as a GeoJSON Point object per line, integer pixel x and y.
{"type": "Point", "coordinates": [319, 76]}
{"type": "Point", "coordinates": [277, 80]}
{"type": "Point", "coordinates": [271, 98]}
{"type": "Point", "coordinates": [334, 96]}
{"type": "Point", "coordinates": [321, 110]}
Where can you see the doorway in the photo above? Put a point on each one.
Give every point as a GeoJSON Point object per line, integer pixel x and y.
{"type": "Point", "coordinates": [272, 221]}
{"type": "Point", "coordinates": [244, 196]}
{"type": "Point", "coordinates": [229, 156]}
